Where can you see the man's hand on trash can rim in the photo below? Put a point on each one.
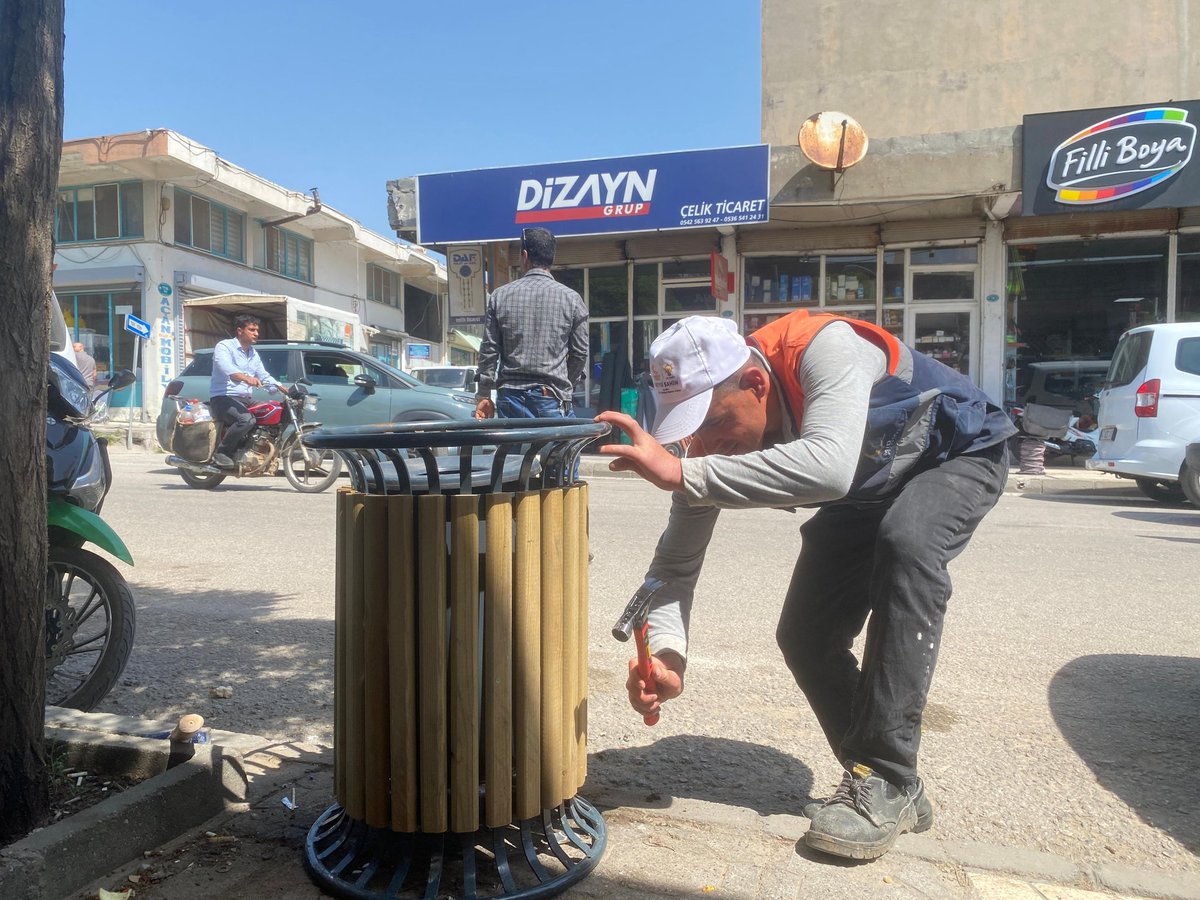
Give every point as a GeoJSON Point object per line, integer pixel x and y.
{"type": "Point", "coordinates": [645, 456]}
{"type": "Point", "coordinates": [667, 672]}
{"type": "Point", "coordinates": [484, 408]}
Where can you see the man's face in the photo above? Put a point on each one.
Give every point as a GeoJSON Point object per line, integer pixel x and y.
{"type": "Point", "coordinates": [248, 334]}
{"type": "Point", "coordinates": [735, 424]}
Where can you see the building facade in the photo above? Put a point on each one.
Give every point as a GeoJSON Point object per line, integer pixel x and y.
{"type": "Point", "coordinates": [150, 219]}
{"type": "Point", "coordinates": [941, 233]}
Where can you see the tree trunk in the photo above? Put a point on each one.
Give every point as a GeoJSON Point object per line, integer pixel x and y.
{"type": "Point", "coordinates": [31, 77]}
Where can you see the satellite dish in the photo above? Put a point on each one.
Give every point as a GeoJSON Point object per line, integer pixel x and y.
{"type": "Point", "coordinates": [832, 140]}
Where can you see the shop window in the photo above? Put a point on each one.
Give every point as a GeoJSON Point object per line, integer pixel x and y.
{"type": "Point", "coordinates": [608, 344]}
{"type": "Point", "coordinates": [945, 256]}
{"type": "Point", "coordinates": [422, 314]}
{"type": "Point", "coordinates": [850, 281]}
{"type": "Point", "coordinates": [687, 269]}
{"type": "Point", "coordinates": [383, 286]}
{"type": "Point", "coordinates": [92, 320]}
{"type": "Point", "coordinates": [608, 291]}
{"type": "Point", "coordinates": [1071, 301]}
{"type": "Point", "coordinates": [288, 254]}
{"type": "Point", "coordinates": [644, 333]}
{"type": "Point", "coordinates": [572, 278]}
{"type": "Point", "coordinates": [689, 298]}
{"type": "Point", "coordinates": [99, 212]}
{"type": "Point", "coordinates": [645, 290]}
{"type": "Point", "coordinates": [893, 276]}
{"type": "Point", "coordinates": [943, 285]}
{"type": "Point", "coordinates": [1188, 277]}
{"type": "Point", "coordinates": [771, 281]}
{"type": "Point", "coordinates": [211, 227]}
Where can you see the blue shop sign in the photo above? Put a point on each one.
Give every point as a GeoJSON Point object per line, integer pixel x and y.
{"type": "Point", "coordinates": [687, 189]}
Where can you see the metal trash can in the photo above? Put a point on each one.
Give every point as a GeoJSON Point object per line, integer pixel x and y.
{"type": "Point", "coordinates": [460, 735]}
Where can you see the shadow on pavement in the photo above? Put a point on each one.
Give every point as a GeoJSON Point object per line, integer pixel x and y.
{"type": "Point", "coordinates": [718, 770]}
{"type": "Point", "coordinates": [1106, 497]}
{"type": "Point", "coordinates": [1162, 518]}
{"type": "Point", "coordinates": [1133, 720]}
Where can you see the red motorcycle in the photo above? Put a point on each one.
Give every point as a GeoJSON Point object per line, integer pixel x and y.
{"type": "Point", "coordinates": [276, 440]}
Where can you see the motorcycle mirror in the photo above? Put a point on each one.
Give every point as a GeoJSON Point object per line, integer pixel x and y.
{"type": "Point", "coordinates": [121, 380]}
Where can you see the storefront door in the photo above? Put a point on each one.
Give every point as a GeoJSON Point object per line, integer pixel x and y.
{"type": "Point", "coordinates": [948, 333]}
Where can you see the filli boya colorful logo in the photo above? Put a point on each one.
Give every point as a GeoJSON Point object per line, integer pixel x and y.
{"type": "Point", "coordinates": [1121, 155]}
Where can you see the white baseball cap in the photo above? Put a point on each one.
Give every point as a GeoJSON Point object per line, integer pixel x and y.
{"type": "Point", "coordinates": [687, 361]}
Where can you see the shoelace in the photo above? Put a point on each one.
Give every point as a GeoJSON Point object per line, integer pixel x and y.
{"type": "Point", "coordinates": [852, 792]}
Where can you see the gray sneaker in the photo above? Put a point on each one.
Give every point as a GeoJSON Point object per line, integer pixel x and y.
{"type": "Point", "coordinates": [919, 798]}
{"type": "Point", "coordinates": [863, 818]}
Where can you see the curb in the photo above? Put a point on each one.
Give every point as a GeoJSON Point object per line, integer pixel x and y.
{"type": "Point", "coordinates": [58, 859]}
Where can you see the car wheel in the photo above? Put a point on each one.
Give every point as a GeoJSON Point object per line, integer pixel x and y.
{"type": "Point", "coordinates": [1160, 491]}
{"type": "Point", "coordinates": [1189, 481]}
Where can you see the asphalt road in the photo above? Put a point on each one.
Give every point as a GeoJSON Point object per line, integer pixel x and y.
{"type": "Point", "coordinates": [1062, 717]}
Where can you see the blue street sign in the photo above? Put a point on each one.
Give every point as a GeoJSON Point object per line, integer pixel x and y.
{"type": "Point", "coordinates": [138, 327]}
{"type": "Point", "coordinates": [688, 189]}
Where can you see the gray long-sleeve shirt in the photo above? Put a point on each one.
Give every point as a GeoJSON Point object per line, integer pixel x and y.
{"type": "Point", "coordinates": [535, 334]}
{"type": "Point", "coordinates": [837, 372]}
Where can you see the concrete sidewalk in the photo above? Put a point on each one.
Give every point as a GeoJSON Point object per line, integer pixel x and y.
{"type": "Point", "coordinates": [657, 847]}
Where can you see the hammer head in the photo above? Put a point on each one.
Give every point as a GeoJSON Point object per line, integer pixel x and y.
{"type": "Point", "coordinates": [636, 610]}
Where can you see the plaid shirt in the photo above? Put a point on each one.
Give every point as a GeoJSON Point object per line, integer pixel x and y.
{"type": "Point", "coordinates": [536, 330]}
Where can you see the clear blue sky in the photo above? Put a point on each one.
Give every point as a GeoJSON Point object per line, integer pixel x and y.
{"type": "Point", "coordinates": [346, 95]}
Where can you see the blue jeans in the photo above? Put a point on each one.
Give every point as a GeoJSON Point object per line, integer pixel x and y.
{"type": "Point", "coordinates": [887, 561]}
{"type": "Point", "coordinates": [530, 403]}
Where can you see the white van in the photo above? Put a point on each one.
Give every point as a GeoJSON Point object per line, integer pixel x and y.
{"type": "Point", "coordinates": [1150, 407]}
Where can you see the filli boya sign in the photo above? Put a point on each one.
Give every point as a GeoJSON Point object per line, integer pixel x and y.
{"type": "Point", "coordinates": [686, 189]}
{"type": "Point", "coordinates": [1119, 158]}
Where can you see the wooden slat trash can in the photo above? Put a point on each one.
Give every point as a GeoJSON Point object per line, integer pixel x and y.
{"type": "Point", "coordinates": [460, 731]}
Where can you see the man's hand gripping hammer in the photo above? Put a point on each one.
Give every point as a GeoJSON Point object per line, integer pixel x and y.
{"type": "Point", "coordinates": [633, 622]}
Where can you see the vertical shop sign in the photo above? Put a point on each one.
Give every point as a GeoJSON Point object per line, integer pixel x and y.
{"type": "Point", "coordinates": [166, 335]}
{"type": "Point", "coordinates": [719, 267]}
{"type": "Point", "coordinates": [464, 269]}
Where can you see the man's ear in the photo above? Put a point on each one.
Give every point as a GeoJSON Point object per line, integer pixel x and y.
{"type": "Point", "coordinates": [757, 380]}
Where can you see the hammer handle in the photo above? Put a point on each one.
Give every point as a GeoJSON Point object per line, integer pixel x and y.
{"type": "Point", "coordinates": [644, 668]}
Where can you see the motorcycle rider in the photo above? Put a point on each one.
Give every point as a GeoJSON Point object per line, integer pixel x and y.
{"type": "Point", "coordinates": [237, 370]}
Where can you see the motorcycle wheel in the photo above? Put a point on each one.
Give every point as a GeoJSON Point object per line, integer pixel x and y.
{"type": "Point", "coordinates": [192, 479]}
{"type": "Point", "coordinates": [1189, 482]}
{"type": "Point", "coordinates": [310, 471]}
{"type": "Point", "coordinates": [1160, 491]}
{"type": "Point", "coordinates": [90, 621]}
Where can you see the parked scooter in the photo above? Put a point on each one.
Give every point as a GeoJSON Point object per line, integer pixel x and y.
{"type": "Point", "coordinates": [89, 608]}
{"type": "Point", "coordinates": [277, 439]}
{"type": "Point", "coordinates": [1078, 438]}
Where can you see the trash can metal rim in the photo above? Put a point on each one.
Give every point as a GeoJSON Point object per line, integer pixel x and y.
{"type": "Point", "coordinates": [412, 435]}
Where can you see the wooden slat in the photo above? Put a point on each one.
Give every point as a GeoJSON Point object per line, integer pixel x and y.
{"type": "Point", "coordinates": [341, 631]}
{"type": "Point", "coordinates": [570, 706]}
{"type": "Point", "coordinates": [402, 662]}
{"type": "Point", "coordinates": [582, 659]}
{"type": "Point", "coordinates": [375, 661]}
{"type": "Point", "coordinates": [464, 664]}
{"type": "Point", "coordinates": [497, 662]}
{"type": "Point", "coordinates": [431, 616]}
{"type": "Point", "coordinates": [355, 803]}
{"type": "Point", "coordinates": [527, 650]}
{"type": "Point", "coordinates": [552, 646]}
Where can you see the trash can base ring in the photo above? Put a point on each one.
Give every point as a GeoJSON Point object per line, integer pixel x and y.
{"type": "Point", "coordinates": [531, 859]}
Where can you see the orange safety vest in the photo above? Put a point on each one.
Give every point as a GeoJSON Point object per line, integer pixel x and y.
{"type": "Point", "coordinates": [784, 341]}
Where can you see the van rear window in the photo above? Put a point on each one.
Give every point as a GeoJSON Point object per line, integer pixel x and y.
{"type": "Point", "coordinates": [1130, 358]}
{"type": "Point", "coordinates": [1187, 356]}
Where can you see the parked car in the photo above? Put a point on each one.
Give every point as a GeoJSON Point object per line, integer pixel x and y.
{"type": "Point", "coordinates": [1189, 480]}
{"type": "Point", "coordinates": [1065, 383]}
{"type": "Point", "coordinates": [1150, 408]}
{"type": "Point", "coordinates": [354, 389]}
{"type": "Point", "coordinates": [460, 378]}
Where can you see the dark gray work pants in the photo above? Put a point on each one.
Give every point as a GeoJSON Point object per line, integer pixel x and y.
{"type": "Point", "coordinates": [888, 561]}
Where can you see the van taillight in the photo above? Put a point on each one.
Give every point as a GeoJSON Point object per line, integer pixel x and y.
{"type": "Point", "coordinates": [174, 388]}
{"type": "Point", "coordinates": [1145, 404]}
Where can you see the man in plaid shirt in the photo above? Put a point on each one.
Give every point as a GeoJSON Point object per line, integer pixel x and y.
{"type": "Point", "coordinates": [535, 340]}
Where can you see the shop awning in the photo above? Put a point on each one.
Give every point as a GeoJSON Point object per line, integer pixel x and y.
{"type": "Point", "coordinates": [464, 341]}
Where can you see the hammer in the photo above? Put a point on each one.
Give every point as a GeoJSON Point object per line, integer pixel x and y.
{"type": "Point", "coordinates": [633, 621]}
